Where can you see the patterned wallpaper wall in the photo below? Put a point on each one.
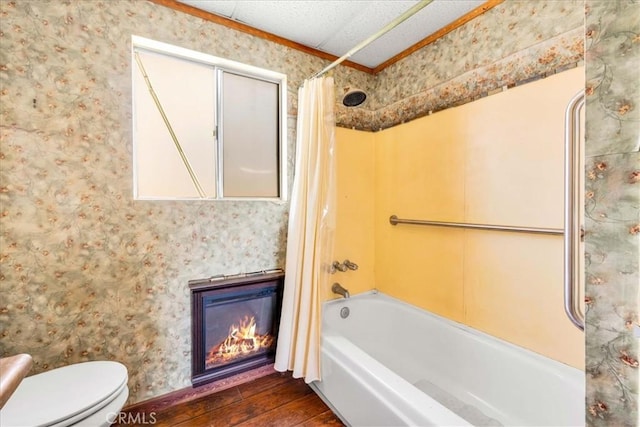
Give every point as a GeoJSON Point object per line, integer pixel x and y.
{"type": "Point", "coordinates": [86, 272]}
{"type": "Point", "coordinates": [612, 211]}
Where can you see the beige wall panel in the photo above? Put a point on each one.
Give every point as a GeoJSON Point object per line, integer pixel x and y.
{"type": "Point", "coordinates": [423, 267]}
{"type": "Point", "coordinates": [498, 160]}
{"type": "Point", "coordinates": [417, 176]}
{"type": "Point", "coordinates": [355, 208]}
{"type": "Point", "coordinates": [513, 290]}
{"type": "Point", "coordinates": [420, 166]}
{"type": "Point", "coordinates": [515, 150]}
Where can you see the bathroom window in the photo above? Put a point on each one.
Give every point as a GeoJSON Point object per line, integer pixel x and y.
{"type": "Point", "coordinates": [205, 127]}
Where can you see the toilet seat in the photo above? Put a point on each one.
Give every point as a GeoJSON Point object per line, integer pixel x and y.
{"type": "Point", "coordinates": [66, 395]}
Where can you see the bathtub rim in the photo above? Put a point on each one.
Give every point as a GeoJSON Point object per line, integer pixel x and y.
{"type": "Point", "coordinates": [544, 361]}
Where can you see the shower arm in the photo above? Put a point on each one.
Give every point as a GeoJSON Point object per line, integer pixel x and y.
{"type": "Point", "coordinates": [390, 26]}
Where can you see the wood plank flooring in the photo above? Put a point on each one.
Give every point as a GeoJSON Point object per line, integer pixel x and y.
{"type": "Point", "coordinates": [274, 400]}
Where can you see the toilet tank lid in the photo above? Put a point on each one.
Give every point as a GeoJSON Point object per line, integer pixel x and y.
{"type": "Point", "coordinates": [53, 396]}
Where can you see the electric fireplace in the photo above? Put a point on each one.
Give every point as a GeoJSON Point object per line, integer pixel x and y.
{"type": "Point", "coordinates": [234, 323]}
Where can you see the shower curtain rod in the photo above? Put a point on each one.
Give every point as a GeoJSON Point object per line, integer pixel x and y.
{"type": "Point", "coordinates": [390, 26]}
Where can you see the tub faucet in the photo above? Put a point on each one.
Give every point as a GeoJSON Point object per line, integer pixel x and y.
{"type": "Point", "coordinates": [336, 266]}
{"type": "Point", "coordinates": [338, 289]}
{"type": "Point", "coordinates": [350, 265]}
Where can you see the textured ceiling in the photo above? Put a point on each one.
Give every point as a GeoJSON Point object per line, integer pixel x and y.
{"type": "Point", "coordinates": [335, 26]}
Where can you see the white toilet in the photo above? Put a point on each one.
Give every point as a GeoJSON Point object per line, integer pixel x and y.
{"type": "Point", "coordinates": [84, 394]}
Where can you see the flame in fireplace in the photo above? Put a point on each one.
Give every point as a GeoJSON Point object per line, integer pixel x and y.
{"type": "Point", "coordinates": [241, 341]}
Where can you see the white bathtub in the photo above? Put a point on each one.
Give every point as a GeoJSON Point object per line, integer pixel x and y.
{"type": "Point", "coordinates": [391, 364]}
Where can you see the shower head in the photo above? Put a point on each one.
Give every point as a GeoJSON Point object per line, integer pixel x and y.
{"type": "Point", "coordinates": [354, 97]}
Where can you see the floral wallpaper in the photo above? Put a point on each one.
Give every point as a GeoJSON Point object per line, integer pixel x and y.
{"type": "Point", "coordinates": [86, 272]}
{"type": "Point", "coordinates": [612, 223]}
{"type": "Point", "coordinates": [505, 30]}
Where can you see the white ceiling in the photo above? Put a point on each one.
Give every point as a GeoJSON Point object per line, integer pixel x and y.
{"type": "Point", "coordinates": [335, 26]}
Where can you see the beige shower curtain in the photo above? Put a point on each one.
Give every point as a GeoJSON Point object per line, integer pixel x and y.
{"type": "Point", "coordinates": [311, 228]}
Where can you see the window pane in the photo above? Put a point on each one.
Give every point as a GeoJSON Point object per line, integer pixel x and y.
{"type": "Point", "coordinates": [186, 92]}
{"type": "Point", "coordinates": [250, 137]}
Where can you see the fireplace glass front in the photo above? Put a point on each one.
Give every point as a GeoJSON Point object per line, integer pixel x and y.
{"type": "Point", "coordinates": [235, 324]}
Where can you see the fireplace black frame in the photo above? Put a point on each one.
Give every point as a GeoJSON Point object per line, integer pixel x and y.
{"type": "Point", "coordinates": [254, 284]}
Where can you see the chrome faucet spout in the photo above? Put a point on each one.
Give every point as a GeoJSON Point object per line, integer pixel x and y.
{"type": "Point", "coordinates": [338, 289]}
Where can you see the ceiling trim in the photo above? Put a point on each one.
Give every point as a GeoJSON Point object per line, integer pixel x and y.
{"type": "Point", "coordinates": [489, 4]}
{"type": "Point", "coordinates": [239, 26]}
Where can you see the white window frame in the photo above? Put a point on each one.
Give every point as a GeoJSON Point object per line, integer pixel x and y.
{"type": "Point", "coordinates": [220, 65]}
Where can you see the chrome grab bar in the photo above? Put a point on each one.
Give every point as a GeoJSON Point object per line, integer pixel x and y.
{"type": "Point", "coordinates": [572, 234]}
{"type": "Point", "coordinates": [394, 220]}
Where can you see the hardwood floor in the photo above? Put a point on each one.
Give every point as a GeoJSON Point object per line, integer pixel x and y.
{"type": "Point", "coordinates": [274, 400]}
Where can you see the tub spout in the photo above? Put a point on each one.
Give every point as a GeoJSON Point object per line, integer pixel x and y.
{"type": "Point", "coordinates": [338, 289]}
